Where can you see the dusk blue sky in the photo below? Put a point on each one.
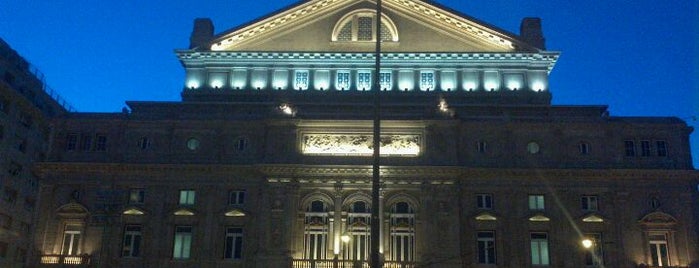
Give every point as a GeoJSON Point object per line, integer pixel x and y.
{"type": "Point", "coordinates": [638, 57]}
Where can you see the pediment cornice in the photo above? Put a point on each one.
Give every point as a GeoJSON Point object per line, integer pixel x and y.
{"type": "Point", "coordinates": [422, 11]}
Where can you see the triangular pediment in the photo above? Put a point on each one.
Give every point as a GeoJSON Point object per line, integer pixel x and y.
{"type": "Point", "coordinates": [485, 216]}
{"type": "Point", "coordinates": [415, 26]}
{"type": "Point", "coordinates": [72, 210]}
{"type": "Point", "coordinates": [592, 218]}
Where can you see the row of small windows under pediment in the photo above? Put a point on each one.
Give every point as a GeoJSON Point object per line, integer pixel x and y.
{"type": "Point", "coordinates": [390, 79]}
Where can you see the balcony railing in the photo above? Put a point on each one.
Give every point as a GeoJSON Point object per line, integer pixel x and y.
{"type": "Point", "coordinates": [305, 263]}
{"type": "Point", "coordinates": [65, 260]}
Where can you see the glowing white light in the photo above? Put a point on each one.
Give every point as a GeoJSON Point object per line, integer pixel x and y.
{"type": "Point", "coordinates": [443, 107]}
{"type": "Point", "coordinates": [491, 85]}
{"type": "Point", "coordinates": [259, 84]}
{"type": "Point", "coordinates": [345, 238]}
{"type": "Point", "coordinates": [512, 85]}
{"type": "Point", "coordinates": [193, 84]}
{"type": "Point", "coordinates": [586, 243]}
{"type": "Point", "coordinates": [217, 84]}
{"type": "Point", "coordinates": [286, 109]}
{"type": "Point", "coordinates": [538, 85]}
{"type": "Point", "coordinates": [469, 85]}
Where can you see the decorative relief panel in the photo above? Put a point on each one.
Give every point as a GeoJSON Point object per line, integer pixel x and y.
{"type": "Point", "coordinates": [360, 144]}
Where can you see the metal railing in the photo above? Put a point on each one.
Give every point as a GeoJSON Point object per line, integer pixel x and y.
{"type": "Point", "coordinates": [57, 259]}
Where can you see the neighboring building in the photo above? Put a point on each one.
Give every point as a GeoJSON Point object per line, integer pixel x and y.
{"type": "Point", "coordinates": [26, 106]}
{"type": "Point", "coordinates": [266, 160]}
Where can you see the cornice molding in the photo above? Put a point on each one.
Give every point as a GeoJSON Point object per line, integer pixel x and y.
{"type": "Point", "coordinates": [339, 172]}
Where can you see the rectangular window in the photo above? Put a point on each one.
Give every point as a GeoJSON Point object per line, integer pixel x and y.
{"type": "Point", "coordinates": [187, 197]}
{"type": "Point", "coordinates": [486, 247]}
{"type": "Point", "coordinates": [385, 81]}
{"type": "Point", "coordinates": [71, 142]}
{"type": "Point", "coordinates": [363, 80]}
{"type": "Point", "coordinates": [593, 254]}
{"type": "Point", "coordinates": [365, 29]}
{"type": "Point", "coordinates": [481, 147]}
{"type": "Point", "coordinates": [137, 196]}
{"type": "Point", "coordinates": [234, 243]}
{"type": "Point", "coordinates": [236, 197]}
{"type": "Point", "coordinates": [659, 250]}
{"type": "Point", "coordinates": [645, 148]}
{"type": "Point", "coordinates": [86, 143]}
{"type": "Point", "coordinates": [540, 249]}
{"type": "Point", "coordinates": [589, 202]}
{"type": "Point", "coordinates": [71, 240]}
{"type": "Point", "coordinates": [484, 201]}
{"type": "Point", "coordinates": [301, 80]}
{"type": "Point", "coordinates": [426, 81]}
{"type": "Point", "coordinates": [536, 202]}
{"type": "Point", "coordinates": [629, 148]}
{"type": "Point", "coordinates": [132, 241]}
{"type": "Point", "coordinates": [101, 143]}
{"type": "Point", "coordinates": [343, 80]}
{"type": "Point", "coordinates": [584, 148]}
{"type": "Point", "coordinates": [183, 242]}
{"type": "Point", "coordinates": [661, 147]}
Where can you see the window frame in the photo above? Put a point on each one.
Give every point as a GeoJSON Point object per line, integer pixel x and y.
{"type": "Point", "coordinates": [233, 243]}
{"type": "Point", "coordinates": [661, 148]}
{"type": "Point", "coordinates": [183, 235]}
{"type": "Point", "coordinates": [484, 201]}
{"type": "Point", "coordinates": [541, 256]}
{"type": "Point", "coordinates": [236, 197]}
{"type": "Point", "coordinates": [587, 201]}
{"type": "Point", "coordinates": [486, 247]}
{"type": "Point", "coordinates": [537, 202]}
{"type": "Point", "coordinates": [629, 148]}
{"type": "Point", "coordinates": [134, 239]}
{"type": "Point", "coordinates": [187, 197]}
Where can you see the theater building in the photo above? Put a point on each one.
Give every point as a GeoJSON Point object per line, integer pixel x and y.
{"type": "Point", "coordinates": [266, 160]}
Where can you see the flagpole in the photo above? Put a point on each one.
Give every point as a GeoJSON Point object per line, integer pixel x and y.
{"type": "Point", "coordinates": [375, 261]}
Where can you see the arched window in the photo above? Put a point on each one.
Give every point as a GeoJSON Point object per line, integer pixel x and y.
{"type": "Point", "coordinates": [360, 26]}
{"type": "Point", "coordinates": [359, 220]}
{"type": "Point", "coordinates": [316, 230]}
{"type": "Point", "coordinates": [402, 232]}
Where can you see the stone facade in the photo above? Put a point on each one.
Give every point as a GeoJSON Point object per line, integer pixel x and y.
{"type": "Point", "coordinates": [496, 175]}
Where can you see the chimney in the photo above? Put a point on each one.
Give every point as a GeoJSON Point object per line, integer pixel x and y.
{"type": "Point", "coordinates": [530, 32]}
{"type": "Point", "coordinates": [202, 33]}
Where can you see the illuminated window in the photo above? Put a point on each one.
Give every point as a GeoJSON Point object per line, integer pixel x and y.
{"type": "Point", "coordinates": [71, 240]}
{"type": "Point", "coordinates": [661, 148]}
{"type": "Point", "coordinates": [359, 221]}
{"type": "Point", "coordinates": [484, 201]}
{"type": "Point", "coordinates": [426, 81]}
{"type": "Point", "coordinates": [187, 197]}
{"type": "Point", "coordinates": [645, 148]}
{"type": "Point", "coordinates": [539, 248]}
{"type": "Point", "coordinates": [363, 80]}
{"type": "Point", "coordinates": [589, 202]}
{"type": "Point", "coordinates": [182, 242]}
{"type": "Point", "coordinates": [536, 202]}
{"type": "Point", "coordinates": [385, 80]}
{"type": "Point", "coordinates": [343, 80]}
{"type": "Point", "coordinates": [629, 148]}
{"type": "Point", "coordinates": [234, 243]}
{"type": "Point", "coordinates": [136, 196]}
{"type": "Point", "coordinates": [236, 197]}
{"type": "Point", "coordinates": [658, 249]}
{"type": "Point", "coordinates": [593, 255]}
{"type": "Point", "coordinates": [486, 247]}
{"type": "Point", "coordinates": [301, 80]}
{"type": "Point", "coordinates": [132, 241]}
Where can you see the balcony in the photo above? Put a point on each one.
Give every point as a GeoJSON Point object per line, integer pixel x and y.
{"type": "Point", "coordinates": [65, 260]}
{"type": "Point", "coordinates": [304, 263]}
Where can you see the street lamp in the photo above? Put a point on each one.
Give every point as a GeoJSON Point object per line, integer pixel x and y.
{"type": "Point", "coordinates": [587, 243]}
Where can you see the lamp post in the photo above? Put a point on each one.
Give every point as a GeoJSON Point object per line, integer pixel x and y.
{"type": "Point", "coordinates": [375, 182]}
{"type": "Point", "coordinates": [344, 238]}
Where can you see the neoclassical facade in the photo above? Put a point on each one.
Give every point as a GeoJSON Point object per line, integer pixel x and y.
{"type": "Point", "coordinates": [266, 161]}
